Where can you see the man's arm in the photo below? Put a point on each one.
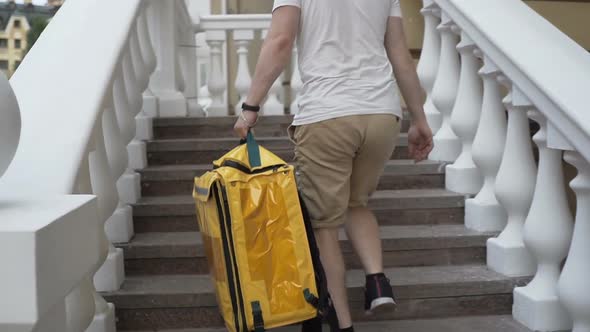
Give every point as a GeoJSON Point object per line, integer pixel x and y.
{"type": "Point", "coordinates": [404, 68]}
{"type": "Point", "coordinates": [275, 54]}
{"type": "Point", "coordinates": [420, 141]}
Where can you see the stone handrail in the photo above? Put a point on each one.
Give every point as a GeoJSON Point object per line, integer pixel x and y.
{"type": "Point", "coordinates": [473, 53]}
{"type": "Point", "coordinates": [85, 107]}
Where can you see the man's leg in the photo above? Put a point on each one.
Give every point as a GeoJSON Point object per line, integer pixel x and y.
{"type": "Point", "coordinates": [362, 230]}
{"type": "Point", "coordinates": [333, 262]}
{"type": "Point", "coordinates": [323, 156]}
{"type": "Point", "coordinates": [361, 225]}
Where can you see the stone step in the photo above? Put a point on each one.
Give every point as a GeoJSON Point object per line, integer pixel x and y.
{"type": "Point", "coordinates": [217, 127]}
{"type": "Point", "coordinates": [495, 323]}
{"type": "Point", "coordinates": [188, 301]}
{"type": "Point", "coordinates": [393, 207]}
{"type": "Point", "coordinates": [206, 150]}
{"type": "Point", "coordinates": [399, 174]}
{"type": "Point", "coordinates": [183, 253]}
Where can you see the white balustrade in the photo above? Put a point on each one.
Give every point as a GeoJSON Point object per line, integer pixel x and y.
{"type": "Point", "coordinates": [296, 82]}
{"type": "Point", "coordinates": [547, 235]}
{"type": "Point", "coordinates": [216, 84]}
{"type": "Point", "coordinates": [463, 176]}
{"type": "Point", "coordinates": [515, 186]}
{"type": "Point", "coordinates": [188, 59]}
{"type": "Point", "coordinates": [243, 40]}
{"type": "Point", "coordinates": [573, 283]}
{"type": "Point", "coordinates": [483, 213]}
{"type": "Point", "coordinates": [165, 80]}
{"type": "Point", "coordinates": [429, 60]}
{"type": "Point", "coordinates": [447, 146]}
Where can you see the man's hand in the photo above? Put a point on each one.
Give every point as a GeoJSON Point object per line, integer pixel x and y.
{"type": "Point", "coordinates": [242, 127]}
{"type": "Point", "coordinates": [420, 141]}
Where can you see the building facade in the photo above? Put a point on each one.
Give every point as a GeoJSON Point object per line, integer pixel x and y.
{"type": "Point", "coordinates": [15, 23]}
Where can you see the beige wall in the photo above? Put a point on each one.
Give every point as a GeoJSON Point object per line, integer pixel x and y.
{"type": "Point", "coordinates": [12, 33]}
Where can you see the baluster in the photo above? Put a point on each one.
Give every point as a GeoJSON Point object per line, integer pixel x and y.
{"type": "Point", "coordinates": [243, 39]}
{"type": "Point", "coordinates": [463, 176]}
{"type": "Point", "coordinates": [119, 227]}
{"type": "Point", "coordinates": [429, 59]}
{"type": "Point", "coordinates": [216, 84]}
{"type": "Point", "coordinates": [188, 70]}
{"type": "Point", "coordinates": [273, 104]}
{"type": "Point", "coordinates": [483, 213]}
{"type": "Point", "coordinates": [573, 284]}
{"type": "Point", "coordinates": [130, 185]}
{"type": "Point", "coordinates": [111, 274]}
{"type": "Point", "coordinates": [547, 235]}
{"type": "Point", "coordinates": [447, 146]}
{"type": "Point", "coordinates": [80, 302]}
{"type": "Point", "coordinates": [136, 149]}
{"type": "Point", "coordinates": [515, 186]}
{"type": "Point", "coordinates": [150, 102]}
{"type": "Point", "coordinates": [296, 83]}
{"type": "Point", "coordinates": [137, 61]}
{"type": "Point", "coordinates": [164, 83]}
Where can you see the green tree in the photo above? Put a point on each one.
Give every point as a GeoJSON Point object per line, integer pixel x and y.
{"type": "Point", "coordinates": [38, 24]}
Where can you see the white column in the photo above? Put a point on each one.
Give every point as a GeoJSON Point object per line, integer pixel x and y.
{"type": "Point", "coordinates": [111, 274]}
{"type": "Point", "coordinates": [547, 235]}
{"type": "Point", "coordinates": [273, 104]}
{"type": "Point", "coordinates": [515, 186]}
{"type": "Point", "coordinates": [463, 176]}
{"type": "Point", "coordinates": [573, 284]}
{"type": "Point", "coordinates": [164, 83]}
{"type": "Point", "coordinates": [483, 213]}
{"type": "Point", "coordinates": [216, 84]}
{"type": "Point", "coordinates": [447, 146]}
{"type": "Point", "coordinates": [428, 65]}
{"type": "Point", "coordinates": [243, 38]}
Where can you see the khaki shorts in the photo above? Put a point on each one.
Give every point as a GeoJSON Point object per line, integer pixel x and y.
{"type": "Point", "coordinates": [339, 163]}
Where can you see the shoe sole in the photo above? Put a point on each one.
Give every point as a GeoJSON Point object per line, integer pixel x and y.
{"type": "Point", "coordinates": [381, 305]}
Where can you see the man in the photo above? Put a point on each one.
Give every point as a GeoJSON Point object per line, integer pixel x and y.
{"type": "Point", "coordinates": [348, 123]}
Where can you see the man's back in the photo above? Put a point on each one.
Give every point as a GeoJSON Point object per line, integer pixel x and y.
{"type": "Point", "coordinates": [342, 58]}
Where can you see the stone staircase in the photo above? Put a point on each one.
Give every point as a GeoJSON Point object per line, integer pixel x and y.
{"type": "Point", "coordinates": [436, 265]}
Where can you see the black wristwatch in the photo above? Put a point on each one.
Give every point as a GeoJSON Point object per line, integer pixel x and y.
{"type": "Point", "coordinates": [246, 107]}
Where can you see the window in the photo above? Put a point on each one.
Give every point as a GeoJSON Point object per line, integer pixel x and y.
{"type": "Point", "coordinates": [17, 23]}
{"type": "Point", "coordinates": [3, 43]}
{"type": "Point", "coordinates": [16, 64]}
{"type": "Point", "coordinates": [17, 43]}
{"type": "Point", "coordinates": [4, 64]}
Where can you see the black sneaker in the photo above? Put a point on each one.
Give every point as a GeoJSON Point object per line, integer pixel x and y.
{"type": "Point", "coordinates": [378, 295]}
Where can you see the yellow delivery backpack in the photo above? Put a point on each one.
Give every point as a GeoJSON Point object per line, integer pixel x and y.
{"type": "Point", "coordinates": [259, 244]}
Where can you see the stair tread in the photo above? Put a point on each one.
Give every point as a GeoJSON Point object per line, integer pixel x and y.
{"type": "Point", "coordinates": [503, 323]}
{"type": "Point", "coordinates": [431, 236]}
{"type": "Point", "coordinates": [459, 324]}
{"type": "Point", "coordinates": [401, 167]}
{"type": "Point", "coordinates": [381, 194]}
{"type": "Point", "coordinates": [408, 282]}
{"type": "Point", "coordinates": [403, 139]}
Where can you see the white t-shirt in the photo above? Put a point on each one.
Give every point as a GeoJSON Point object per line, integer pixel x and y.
{"type": "Point", "coordinates": [342, 59]}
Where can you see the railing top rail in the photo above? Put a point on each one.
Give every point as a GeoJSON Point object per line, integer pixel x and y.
{"type": "Point", "coordinates": [544, 63]}
{"type": "Point", "coordinates": [61, 86]}
{"type": "Point", "coordinates": [233, 22]}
